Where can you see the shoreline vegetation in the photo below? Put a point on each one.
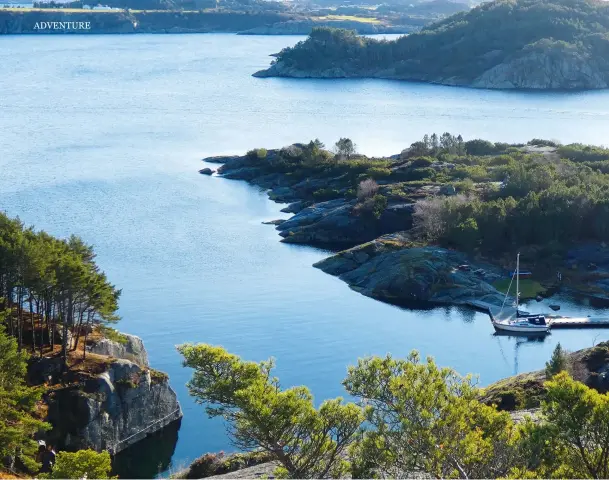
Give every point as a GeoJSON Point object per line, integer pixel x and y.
{"type": "Point", "coordinates": [441, 222]}
{"type": "Point", "coordinates": [66, 376]}
{"type": "Point", "coordinates": [407, 418]}
{"type": "Point", "coordinates": [504, 44]}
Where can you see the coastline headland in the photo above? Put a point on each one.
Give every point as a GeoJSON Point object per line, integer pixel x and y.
{"type": "Point", "coordinates": [373, 211]}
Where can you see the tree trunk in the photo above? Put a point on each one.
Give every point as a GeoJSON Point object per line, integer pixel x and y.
{"type": "Point", "coordinates": [33, 324]}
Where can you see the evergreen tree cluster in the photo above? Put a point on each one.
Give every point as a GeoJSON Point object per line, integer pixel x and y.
{"type": "Point", "coordinates": [52, 287]}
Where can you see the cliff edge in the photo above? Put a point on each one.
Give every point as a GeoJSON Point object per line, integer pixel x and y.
{"type": "Point", "coordinates": [118, 401]}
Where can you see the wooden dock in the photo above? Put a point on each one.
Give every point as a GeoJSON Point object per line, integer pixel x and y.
{"type": "Point", "coordinates": [581, 322]}
{"type": "Point", "coordinates": [555, 321]}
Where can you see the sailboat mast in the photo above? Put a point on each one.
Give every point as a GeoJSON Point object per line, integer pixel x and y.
{"type": "Point", "coordinates": [517, 280]}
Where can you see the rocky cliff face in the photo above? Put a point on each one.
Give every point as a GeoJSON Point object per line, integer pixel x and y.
{"type": "Point", "coordinates": [116, 408]}
{"type": "Point", "coordinates": [535, 71]}
{"type": "Point", "coordinates": [130, 348]}
{"type": "Point", "coordinates": [539, 70]}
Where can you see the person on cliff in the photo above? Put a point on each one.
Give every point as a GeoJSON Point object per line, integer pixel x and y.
{"type": "Point", "coordinates": [42, 447]}
{"type": "Point", "coordinates": [48, 459]}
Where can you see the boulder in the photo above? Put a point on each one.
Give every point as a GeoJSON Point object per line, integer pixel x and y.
{"type": "Point", "coordinates": [330, 223]}
{"type": "Point", "coordinates": [206, 171]}
{"type": "Point", "coordinates": [130, 348]}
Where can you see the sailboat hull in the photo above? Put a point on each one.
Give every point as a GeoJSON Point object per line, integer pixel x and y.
{"type": "Point", "coordinates": [522, 328]}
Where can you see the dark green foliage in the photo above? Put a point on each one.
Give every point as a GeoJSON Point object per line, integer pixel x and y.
{"type": "Point", "coordinates": [56, 281]}
{"type": "Point", "coordinates": [257, 154]}
{"type": "Point", "coordinates": [584, 153]}
{"type": "Point", "coordinates": [17, 404]}
{"type": "Point", "coordinates": [422, 162]}
{"type": "Point", "coordinates": [539, 142]}
{"type": "Point", "coordinates": [466, 44]}
{"type": "Point", "coordinates": [372, 206]}
{"type": "Point", "coordinates": [324, 194]}
{"type": "Point", "coordinates": [557, 363]}
{"type": "Point", "coordinates": [480, 147]}
{"type": "Point", "coordinates": [466, 235]}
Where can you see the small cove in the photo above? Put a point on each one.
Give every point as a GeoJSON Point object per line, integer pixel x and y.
{"type": "Point", "coordinates": [102, 137]}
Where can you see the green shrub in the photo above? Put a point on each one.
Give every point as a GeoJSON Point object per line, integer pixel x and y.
{"type": "Point", "coordinates": [113, 335]}
{"type": "Point", "coordinates": [157, 376]}
{"type": "Point", "coordinates": [422, 162]}
{"type": "Point", "coordinates": [79, 464]}
{"type": "Point", "coordinates": [538, 142]}
{"type": "Point", "coordinates": [257, 154]}
{"type": "Point", "coordinates": [583, 153]}
{"type": "Point", "coordinates": [421, 174]}
{"type": "Point", "coordinates": [479, 147]}
{"type": "Point", "coordinates": [378, 172]}
{"type": "Point", "coordinates": [324, 194]}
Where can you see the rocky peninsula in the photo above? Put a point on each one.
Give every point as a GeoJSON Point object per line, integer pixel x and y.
{"type": "Point", "coordinates": [437, 223]}
{"type": "Point", "coordinates": [504, 44]}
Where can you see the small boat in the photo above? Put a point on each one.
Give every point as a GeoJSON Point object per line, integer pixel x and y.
{"type": "Point", "coordinates": [533, 325]}
{"type": "Point", "coordinates": [523, 323]}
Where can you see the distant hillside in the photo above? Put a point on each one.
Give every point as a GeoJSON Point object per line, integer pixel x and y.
{"type": "Point", "coordinates": [532, 44]}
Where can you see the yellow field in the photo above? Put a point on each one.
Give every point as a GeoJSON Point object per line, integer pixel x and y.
{"type": "Point", "coordinates": [348, 18]}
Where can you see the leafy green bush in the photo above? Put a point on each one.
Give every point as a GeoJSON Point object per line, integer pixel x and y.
{"type": "Point", "coordinates": [479, 147]}
{"type": "Point", "coordinates": [420, 174]}
{"type": "Point", "coordinates": [422, 162]}
{"type": "Point", "coordinates": [324, 194]}
{"type": "Point", "coordinates": [79, 464]}
{"type": "Point", "coordinates": [378, 172]}
{"type": "Point", "coordinates": [538, 142]}
{"type": "Point", "coordinates": [583, 153]}
{"type": "Point", "coordinates": [113, 335]}
{"type": "Point", "coordinates": [257, 154]}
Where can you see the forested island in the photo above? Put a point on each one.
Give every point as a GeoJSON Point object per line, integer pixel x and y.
{"type": "Point", "coordinates": [409, 221]}
{"type": "Point", "coordinates": [505, 44]}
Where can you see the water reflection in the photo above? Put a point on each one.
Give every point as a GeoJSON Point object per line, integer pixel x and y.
{"type": "Point", "coordinates": [518, 341]}
{"type": "Point", "coordinates": [150, 456]}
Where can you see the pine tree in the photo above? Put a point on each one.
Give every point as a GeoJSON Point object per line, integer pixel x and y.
{"type": "Point", "coordinates": [557, 363]}
{"type": "Point", "coordinates": [17, 404]}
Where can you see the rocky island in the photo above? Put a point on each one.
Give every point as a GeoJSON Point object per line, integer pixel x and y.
{"type": "Point", "coordinates": [504, 44]}
{"type": "Point", "coordinates": [440, 222]}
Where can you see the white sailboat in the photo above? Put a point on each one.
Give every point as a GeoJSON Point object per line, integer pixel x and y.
{"type": "Point", "coordinates": [522, 323]}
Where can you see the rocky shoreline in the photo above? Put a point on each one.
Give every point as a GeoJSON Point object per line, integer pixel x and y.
{"type": "Point", "coordinates": [378, 256]}
{"type": "Point", "coordinates": [117, 403]}
{"type": "Point", "coordinates": [534, 71]}
{"type": "Point", "coordinates": [380, 260]}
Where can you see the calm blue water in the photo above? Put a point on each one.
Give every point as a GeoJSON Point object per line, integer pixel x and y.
{"type": "Point", "coordinates": [102, 136]}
